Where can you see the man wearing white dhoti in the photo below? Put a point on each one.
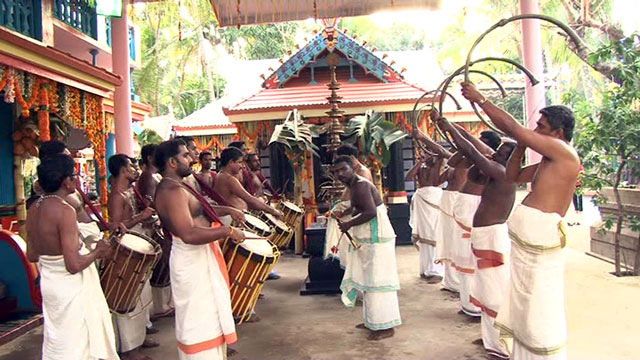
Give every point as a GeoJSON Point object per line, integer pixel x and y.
{"type": "Point", "coordinates": [199, 278]}
{"type": "Point", "coordinates": [424, 216]}
{"type": "Point", "coordinates": [533, 312]}
{"type": "Point", "coordinates": [490, 242]}
{"type": "Point", "coordinates": [371, 266]}
{"type": "Point", "coordinates": [77, 323]}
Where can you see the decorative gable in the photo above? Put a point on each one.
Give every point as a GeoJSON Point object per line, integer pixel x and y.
{"type": "Point", "coordinates": [330, 39]}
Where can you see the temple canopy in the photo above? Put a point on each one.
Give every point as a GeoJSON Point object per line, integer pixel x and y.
{"type": "Point", "coordinates": [247, 12]}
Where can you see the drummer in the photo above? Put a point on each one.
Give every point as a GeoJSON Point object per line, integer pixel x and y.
{"type": "Point", "coordinates": [131, 330]}
{"type": "Point", "coordinates": [255, 181]}
{"type": "Point", "coordinates": [206, 163]}
{"type": "Point", "coordinates": [77, 324]}
{"type": "Point", "coordinates": [204, 320]}
{"type": "Point", "coordinates": [231, 163]}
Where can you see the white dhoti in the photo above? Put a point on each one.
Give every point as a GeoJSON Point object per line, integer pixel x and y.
{"type": "Point", "coordinates": [425, 213]}
{"type": "Point", "coordinates": [89, 234]}
{"type": "Point", "coordinates": [372, 269]}
{"type": "Point", "coordinates": [77, 323]}
{"type": "Point", "coordinates": [447, 231]}
{"type": "Point", "coordinates": [491, 247]}
{"type": "Point", "coordinates": [533, 311]}
{"type": "Point", "coordinates": [463, 259]}
{"type": "Point", "coordinates": [162, 301]}
{"type": "Point", "coordinates": [200, 287]}
{"type": "Point", "coordinates": [131, 328]}
{"type": "Point", "coordinates": [333, 235]}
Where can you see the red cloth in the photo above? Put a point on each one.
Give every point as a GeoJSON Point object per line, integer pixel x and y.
{"type": "Point", "coordinates": [93, 209]}
{"type": "Point", "coordinates": [210, 192]}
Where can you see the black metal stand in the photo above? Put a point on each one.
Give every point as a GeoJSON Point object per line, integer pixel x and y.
{"type": "Point", "coordinates": [324, 276]}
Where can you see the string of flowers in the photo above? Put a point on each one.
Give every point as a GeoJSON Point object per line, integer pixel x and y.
{"type": "Point", "coordinates": [43, 113]}
{"type": "Point", "coordinates": [94, 126]}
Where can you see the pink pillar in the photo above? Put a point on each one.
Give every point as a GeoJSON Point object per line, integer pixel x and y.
{"type": "Point", "coordinates": [122, 96]}
{"type": "Point", "coordinates": [532, 52]}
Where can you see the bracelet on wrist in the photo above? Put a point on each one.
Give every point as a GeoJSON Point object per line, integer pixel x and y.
{"type": "Point", "coordinates": [484, 101]}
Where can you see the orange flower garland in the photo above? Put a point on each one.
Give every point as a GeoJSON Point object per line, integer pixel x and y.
{"type": "Point", "coordinates": [213, 142]}
{"type": "Point", "coordinates": [23, 103]}
{"type": "Point", "coordinates": [43, 115]}
{"type": "Point", "coordinates": [95, 130]}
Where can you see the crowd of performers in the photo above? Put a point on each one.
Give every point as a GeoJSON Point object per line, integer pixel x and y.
{"type": "Point", "coordinates": [186, 213]}
{"type": "Point", "coordinates": [506, 265]}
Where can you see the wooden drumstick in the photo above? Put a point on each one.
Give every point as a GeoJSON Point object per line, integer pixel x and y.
{"type": "Point", "coordinates": [353, 242]}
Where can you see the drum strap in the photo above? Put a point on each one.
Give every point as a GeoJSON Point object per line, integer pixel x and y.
{"type": "Point", "coordinates": [265, 183]}
{"type": "Point", "coordinates": [141, 200]}
{"type": "Point", "coordinates": [93, 209]}
{"type": "Point", "coordinates": [214, 195]}
{"type": "Point", "coordinates": [209, 211]}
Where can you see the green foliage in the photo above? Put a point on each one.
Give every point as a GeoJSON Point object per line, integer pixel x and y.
{"type": "Point", "coordinates": [374, 135]}
{"type": "Point", "coordinates": [149, 137]}
{"type": "Point", "coordinates": [296, 136]}
{"type": "Point", "coordinates": [399, 36]}
{"type": "Point", "coordinates": [268, 41]}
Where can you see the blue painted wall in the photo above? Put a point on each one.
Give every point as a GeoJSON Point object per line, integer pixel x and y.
{"type": "Point", "coordinates": [7, 192]}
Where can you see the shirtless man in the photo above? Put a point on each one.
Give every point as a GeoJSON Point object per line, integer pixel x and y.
{"type": "Point", "coordinates": [371, 268]}
{"type": "Point", "coordinates": [425, 212]}
{"type": "Point", "coordinates": [201, 294]}
{"type": "Point", "coordinates": [227, 183]}
{"type": "Point", "coordinates": [358, 167]}
{"type": "Point", "coordinates": [490, 235]}
{"type": "Point", "coordinates": [77, 323]}
{"type": "Point", "coordinates": [131, 329]}
{"type": "Point", "coordinates": [206, 174]}
{"type": "Point", "coordinates": [149, 177]}
{"type": "Point", "coordinates": [533, 311]}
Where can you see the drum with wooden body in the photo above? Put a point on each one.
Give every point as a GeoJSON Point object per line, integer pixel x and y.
{"type": "Point", "coordinates": [123, 276]}
{"type": "Point", "coordinates": [249, 263]}
{"type": "Point", "coordinates": [292, 213]}
{"type": "Point", "coordinates": [258, 226]}
{"type": "Point", "coordinates": [282, 233]}
{"type": "Point", "coordinates": [160, 276]}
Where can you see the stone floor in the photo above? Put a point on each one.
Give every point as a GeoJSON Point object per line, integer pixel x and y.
{"type": "Point", "coordinates": [602, 314]}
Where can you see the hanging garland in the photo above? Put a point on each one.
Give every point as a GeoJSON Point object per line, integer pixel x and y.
{"type": "Point", "coordinates": [43, 114]}
{"type": "Point", "coordinates": [213, 142]}
{"type": "Point", "coordinates": [94, 126]}
{"type": "Point", "coordinates": [243, 132]}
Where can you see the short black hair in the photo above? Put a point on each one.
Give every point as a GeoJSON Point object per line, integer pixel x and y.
{"type": "Point", "coordinates": [560, 117]}
{"type": "Point", "coordinates": [344, 159]}
{"type": "Point", "coordinates": [203, 154]}
{"type": "Point", "coordinates": [53, 170]}
{"type": "Point", "coordinates": [250, 155]}
{"type": "Point", "coordinates": [147, 151]}
{"type": "Point", "coordinates": [51, 147]}
{"type": "Point", "coordinates": [493, 140]}
{"type": "Point", "coordinates": [348, 150]}
{"type": "Point", "coordinates": [117, 162]}
{"type": "Point", "coordinates": [165, 151]}
{"type": "Point", "coordinates": [236, 144]}
{"type": "Point", "coordinates": [230, 154]}
{"type": "Point", "coordinates": [184, 138]}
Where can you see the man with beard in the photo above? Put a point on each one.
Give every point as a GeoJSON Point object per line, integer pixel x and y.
{"type": "Point", "coordinates": [131, 330]}
{"type": "Point", "coordinates": [255, 182]}
{"type": "Point", "coordinates": [199, 279]}
{"type": "Point", "coordinates": [490, 242]}
{"type": "Point", "coordinates": [533, 311]}
{"type": "Point", "coordinates": [77, 324]}
{"type": "Point", "coordinates": [207, 175]}
{"type": "Point", "coordinates": [371, 268]}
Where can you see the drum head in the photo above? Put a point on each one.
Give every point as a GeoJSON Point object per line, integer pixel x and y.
{"type": "Point", "coordinates": [256, 224]}
{"type": "Point", "coordinates": [137, 244]}
{"type": "Point", "coordinates": [292, 206]}
{"type": "Point", "coordinates": [278, 223]}
{"type": "Point", "coordinates": [257, 246]}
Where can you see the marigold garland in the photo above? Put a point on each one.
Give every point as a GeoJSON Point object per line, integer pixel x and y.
{"type": "Point", "coordinates": [43, 115]}
{"type": "Point", "coordinates": [94, 127]}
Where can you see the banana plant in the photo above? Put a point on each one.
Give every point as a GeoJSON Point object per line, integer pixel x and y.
{"type": "Point", "coordinates": [297, 139]}
{"type": "Point", "coordinates": [374, 136]}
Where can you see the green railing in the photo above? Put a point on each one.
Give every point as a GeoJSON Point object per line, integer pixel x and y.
{"type": "Point", "coordinates": [80, 14]}
{"type": "Point", "coordinates": [23, 16]}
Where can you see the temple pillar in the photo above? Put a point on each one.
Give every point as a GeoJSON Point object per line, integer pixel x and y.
{"type": "Point", "coordinates": [122, 96]}
{"type": "Point", "coordinates": [532, 53]}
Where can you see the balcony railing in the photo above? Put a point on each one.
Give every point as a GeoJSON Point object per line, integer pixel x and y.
{"type": "Point", "coordinates": [132, 39]}
{"type": "Point", "coordinates": [79, 14]}
{"type": "Point", "coordinates": [23, 16]}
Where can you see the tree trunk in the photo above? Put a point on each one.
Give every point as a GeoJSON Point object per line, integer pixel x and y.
{"type": "Point", "coordinates": [620, 214]}
{"type": "Point", "coordinates": [205, 66]}
{"type": "Point", "coordinates": [297, 198]}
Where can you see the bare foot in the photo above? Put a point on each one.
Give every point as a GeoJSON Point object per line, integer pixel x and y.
{"type": "Point", "coordinates": [231, 352]}
{"type": "Point", "coordinates": [361, 326]}
{"type": "Point", "coordinates": [478, 342]}
{"type": "Point", "coordinates": [134, 355]}
{"type": "Point", "coordinates": [381, 334]}
{"type": "Point", "coordinates": [435, 279]}
{"type": "Point", "coordinates": [149, 343]}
